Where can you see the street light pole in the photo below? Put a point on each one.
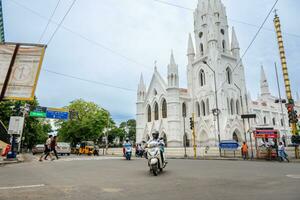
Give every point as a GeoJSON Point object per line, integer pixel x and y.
{"type": "Point", "coordinates": [217, 112]}
{"type": "Point", "coordinates": [241, 99]}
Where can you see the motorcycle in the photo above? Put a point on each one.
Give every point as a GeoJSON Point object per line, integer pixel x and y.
{"type": "Point", "coordinates": [154, 159]}
{"type": "Point", "coordinates": [128, 151]}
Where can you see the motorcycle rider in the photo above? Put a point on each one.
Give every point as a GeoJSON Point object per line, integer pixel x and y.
{"type": "Point", "coordinates": [158, 141]}
{"type": "Point", "coordinates": [126, 144]}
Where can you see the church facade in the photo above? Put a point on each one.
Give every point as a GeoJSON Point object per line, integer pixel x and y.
{"type": "Point", "coordinates": [215, 82]}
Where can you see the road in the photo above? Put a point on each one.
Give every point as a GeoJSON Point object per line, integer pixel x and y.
{"type": "Point", "coordinates": [114, 178]}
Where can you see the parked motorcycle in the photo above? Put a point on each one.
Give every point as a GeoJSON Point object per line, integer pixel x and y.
{"type": "Point", "coordinates": [154, 159]}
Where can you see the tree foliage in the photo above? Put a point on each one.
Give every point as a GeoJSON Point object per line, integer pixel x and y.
{"type": "Point", "coordinates": [35, 130]}
{"type": "Point", "coordinates": [88, 125]}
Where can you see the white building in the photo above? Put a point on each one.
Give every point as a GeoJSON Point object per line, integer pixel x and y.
{"type": "Point", "coordinates": [213, 54]}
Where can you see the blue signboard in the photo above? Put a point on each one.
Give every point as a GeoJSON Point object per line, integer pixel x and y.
{"type": "Point", "coordinates": [229, 145]}
{"type": "Point", "coordinates": [57, 114]}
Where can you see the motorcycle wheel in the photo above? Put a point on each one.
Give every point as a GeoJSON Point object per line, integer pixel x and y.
{"type": "Point", "coordinates": [154, 170]}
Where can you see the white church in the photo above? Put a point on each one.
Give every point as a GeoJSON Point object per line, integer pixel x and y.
{"type": "Point", "coordinates": [213, 62]}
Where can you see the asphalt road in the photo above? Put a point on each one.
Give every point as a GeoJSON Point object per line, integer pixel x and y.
{"type": "Point", "coordinates": [85, 179]}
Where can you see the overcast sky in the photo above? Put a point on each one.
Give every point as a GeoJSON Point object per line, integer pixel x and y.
{"type": "Point", "coordinates": [114, 41]}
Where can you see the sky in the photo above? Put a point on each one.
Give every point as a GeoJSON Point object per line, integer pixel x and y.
{"type": "Point", "coordinates": [114, 41]}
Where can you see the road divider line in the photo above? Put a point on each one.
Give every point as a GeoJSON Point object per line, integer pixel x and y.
{"type": "Point", "coordinates": [21, 186]}
{"type": "Point", "coordinates": [293, 176]}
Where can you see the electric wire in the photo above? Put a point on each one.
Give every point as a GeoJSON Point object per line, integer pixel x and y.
{"type": "Point", "coordinates": [49, 21]}
{"type": "Point", "coordinates": [64, 17]}
{"type": "Point", "coordinates": [90, 81]}
{"type": "Point", "coordinates": [93, 42]}
{"type": "Point", "coordinates": [252, 41]}
{"type": "Point", "coordinates": [230, 19]}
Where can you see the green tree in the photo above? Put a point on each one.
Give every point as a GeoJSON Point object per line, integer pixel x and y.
{"type": "Point", "coordinates": [88, 125]}
{"type": "Point", "coordinates": [130, 125]}
{"type": "Point", "coordinates": [35, 130]}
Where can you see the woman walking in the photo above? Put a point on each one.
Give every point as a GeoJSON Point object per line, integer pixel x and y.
{"type": "Point", "coordinates": [281, 152]}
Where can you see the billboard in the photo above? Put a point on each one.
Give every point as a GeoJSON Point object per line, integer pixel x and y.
{"type": "Point", "coordinates": [20, 66]}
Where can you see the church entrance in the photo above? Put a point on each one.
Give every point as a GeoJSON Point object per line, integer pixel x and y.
{"type": "Point", "coordinates": [236, 136]}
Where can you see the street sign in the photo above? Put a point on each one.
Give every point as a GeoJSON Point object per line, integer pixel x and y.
{"type": "Point", "coordinates": [16, 125]}
{"type": "Point", "coordinates": [56, 114]}
{"type": "Point", "coordinates": [37, 114]}
{"type": "Point", "coordinates": [248, 116]}
{"type": "Point", "coordinates": [231, 145]}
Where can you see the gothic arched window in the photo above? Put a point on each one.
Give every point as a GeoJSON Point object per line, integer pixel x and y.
{"type": "Point", "coordinates": [237, 107]}
{"type": "Point", "coordinates": [274, 121]}
{"type": "Point", "coordinates": [231, 107]}
{"type": "Point", "coordinates": [223, 45]}
{"type": "Point", "coordinates": [198, 109]}
{"type": "Point", "coordinates": [201, 49]}
{"type": "Point", "coordinates": [149, 113]}
{"type": "Point", "coordinates": [228, 106]}
{"type": "Point", "coordinates": [265, 120]}
{"type": "Point", "coordinates": [164, 109]}
{"type": "Point", "coordinates": [281, 122]}
{"type": "Point", "coordinates": [207, 106]}
{"type": "Point", "coordinates": [156, 114]}
{"type": "Point", "coordinates": [203, 108]}
{"type": "Point", "coordinates": [228, 75]}
{"type": "Point", "coordinates": [202, 77]}
{"type": "Point", "coordinates": [183, 110]}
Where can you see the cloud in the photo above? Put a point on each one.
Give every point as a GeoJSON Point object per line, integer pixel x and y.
{"type": "Point", "coordinates": [142, 30]}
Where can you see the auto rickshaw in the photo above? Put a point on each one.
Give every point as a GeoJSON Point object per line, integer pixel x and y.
{"type": "Point", "coordinates": [86, 147]}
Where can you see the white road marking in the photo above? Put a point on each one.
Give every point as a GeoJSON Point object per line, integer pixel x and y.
{"type": "Point", "coordinates": [22, 186]}
{"type": "Point", "coordinates": [293, 176]}
{"type": "Point", "coordinates": [87, 158]}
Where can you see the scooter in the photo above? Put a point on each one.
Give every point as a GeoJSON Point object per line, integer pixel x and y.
{"type": "Point", "coordinates": [128, 151]}
{"type": "Point", "coordinates": [154, 159]}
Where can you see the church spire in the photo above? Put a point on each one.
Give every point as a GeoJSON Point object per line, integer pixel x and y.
{"type": "Point", "coordinates": [141, 89]}
{"type": "Point", "coordinates": [190, 50]}
{"type": "Point", "coordinates": [264, 86]}
{"type": "Point", "coordinates": [173, 72]}
{"type": "Point", "coordinates": [235, 47]}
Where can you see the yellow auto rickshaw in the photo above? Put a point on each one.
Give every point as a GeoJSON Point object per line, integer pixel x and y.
{"type": "Point", "coordinates": [86, 147]}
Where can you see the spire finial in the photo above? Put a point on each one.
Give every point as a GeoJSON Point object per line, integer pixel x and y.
{"type": "Point", "coordinates": [155, 65]}
{"type": "Point", "coordinates": [190, 50]}
{"type": "Point", "coordinates": [172, 59]}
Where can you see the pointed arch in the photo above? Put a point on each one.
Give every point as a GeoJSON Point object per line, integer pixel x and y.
{"type": "Point", "coordinates": [164, 108]}
{"type": "Point", "coordinates": [237, 107]}
{"type": "Point", "coordinates": [265, 120]}
{"type": "Point", "coordinates": [203, 108]}
{"type": "Point", "coordinates": [198, 109]}
{"type": "Point", "coordinates": [228, 106]}
{"type": "Point", "coordinates": [201, 49]}
{"type": "Point", "coordinates": [228, 75]}
{"type": "Point", "coordinates": [156, 113]}
{"type": "Point", "coordinates": [231, 107]}
{"type": "Point", "coordinates": [274, 121]}
{"type": "Point", "coordinates": [202, 77]}
{"type": "Point", "coordinates": [149, 113]}
{"type": "Point", "coordinates": [224, 45]}
{"type": "Point", "coordinates": [184, 109]}
{"type": "Point", "coordinates": [207, 107]}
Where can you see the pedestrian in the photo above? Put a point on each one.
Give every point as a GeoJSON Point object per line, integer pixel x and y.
{"type": "Point", "coordinates": [47, 149]}
{"type": "Point", "coordinates": [282, 154]}
{"type": "Point", "coordinates": [244, 151]}
{"type": "Point", "coordinates": [53, 145]}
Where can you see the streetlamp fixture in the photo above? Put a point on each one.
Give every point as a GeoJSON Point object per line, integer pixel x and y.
{"type": "Point", "coordinates": [216, 111]}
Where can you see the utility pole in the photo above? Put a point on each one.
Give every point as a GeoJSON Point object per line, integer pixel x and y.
{"type": "Point", "coordinates": [290, 105]}
{"type": "Point", "coordinates": [2, 37]}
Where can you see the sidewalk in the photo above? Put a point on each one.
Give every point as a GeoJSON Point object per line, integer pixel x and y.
{"type": "Point", "coordinates": [4, 161]}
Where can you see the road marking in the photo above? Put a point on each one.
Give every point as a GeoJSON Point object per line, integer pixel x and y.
{"type": "Point", "coordinates": [293, 176]}
{"type": "Point", "coordinates": [111, 190]}
{"type": "Point", "coordinates": [22, 186]}
{"type": "Point", "coordinates": [90, 158]}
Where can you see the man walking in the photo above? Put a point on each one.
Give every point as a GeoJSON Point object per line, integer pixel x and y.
{"type": "Point", "coordinates": [244, 151]}
{"type": "Point", "coordinates": [47, 149]}
{"type": "Point", "coordinates": [281, 152]}
{"type": "Point", "coordinates": [53, 145]}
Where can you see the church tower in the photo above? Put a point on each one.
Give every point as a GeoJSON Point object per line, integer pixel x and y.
{"type": "Point", "coordinates": [140, 111]}
{"type": "Point", "coordinates": [173, 104]}
{"type": "Point", "coordinates": [264, 86]}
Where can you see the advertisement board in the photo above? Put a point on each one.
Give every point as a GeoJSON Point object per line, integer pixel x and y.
{"type": "Point", "coordinates": [20, 66]}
